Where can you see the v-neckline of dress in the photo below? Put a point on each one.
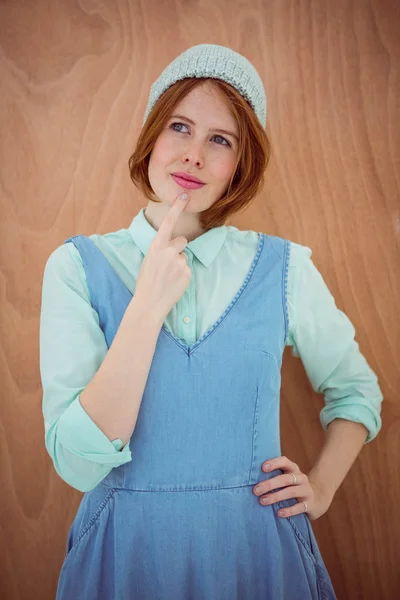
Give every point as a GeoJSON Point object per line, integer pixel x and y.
{"type": "Point", "coordinates": [190, 348]}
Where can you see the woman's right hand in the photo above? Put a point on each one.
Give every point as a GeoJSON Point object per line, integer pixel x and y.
{"type": "Point", "coordinates": [164, 274]}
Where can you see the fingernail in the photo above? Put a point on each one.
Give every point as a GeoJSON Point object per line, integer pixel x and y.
{"type": "Point", "coordinates": [267, 467]}
{"type": "Point", "coordinates": [184, 197]}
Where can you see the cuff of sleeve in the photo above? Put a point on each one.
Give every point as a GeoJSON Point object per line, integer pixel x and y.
{"type": "Point", "coordinates": [359, 413]}
{"type": "Point", "coordinates": [81, 436]}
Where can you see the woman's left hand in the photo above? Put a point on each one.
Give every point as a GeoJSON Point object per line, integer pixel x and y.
{"type": "Point", "coordinates": [317, 499]}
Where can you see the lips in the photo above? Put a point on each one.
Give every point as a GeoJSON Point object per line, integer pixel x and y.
{"type": "Point", "coordinates": [188, 177]}
{"type": "Point", "coordinates": [185, 183]}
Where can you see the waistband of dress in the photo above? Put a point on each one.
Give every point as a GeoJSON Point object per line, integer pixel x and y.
{"type": "Point", "coordinates": [174, 488]}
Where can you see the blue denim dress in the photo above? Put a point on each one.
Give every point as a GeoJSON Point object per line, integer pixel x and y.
{"type": "Point", "coordinates": [181, 521]}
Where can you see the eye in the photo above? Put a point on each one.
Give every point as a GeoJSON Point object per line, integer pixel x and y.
{"type": "Point", "coordinates": [172, 126]}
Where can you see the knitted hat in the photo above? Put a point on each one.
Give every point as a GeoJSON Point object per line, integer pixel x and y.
{"type": "Point", "coordinates": [218, 62]}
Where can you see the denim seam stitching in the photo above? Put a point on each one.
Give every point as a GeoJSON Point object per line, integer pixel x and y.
{"type": "Point", "coordinates": [255, 421]}
{"type": "Point", "coordinates": [298, 534]}
{"type": "Point", "coordinates": [287, 251]}
{"type": "Point", "coordinates": [91, 521]}
{"type": "Point", "coordinates": [183, 491]}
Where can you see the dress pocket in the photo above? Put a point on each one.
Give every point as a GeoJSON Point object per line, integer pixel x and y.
{"type": "Point", "coordinates": [77, 533]}
{"type": "Point", "coordinates": [301, 527]}
{"type": "Point", "coordinates": [304, 534]}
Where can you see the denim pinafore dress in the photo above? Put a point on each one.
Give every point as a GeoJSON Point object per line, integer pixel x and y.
{"type": "Point", "coordinates": [180, 521]}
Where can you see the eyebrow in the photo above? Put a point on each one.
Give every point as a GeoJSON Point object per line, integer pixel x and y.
{"type": "Point", "coordinates": [210, 130]}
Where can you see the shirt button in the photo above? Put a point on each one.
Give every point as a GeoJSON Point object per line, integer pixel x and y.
{"type": "Point", "coordinates": [186, 319]}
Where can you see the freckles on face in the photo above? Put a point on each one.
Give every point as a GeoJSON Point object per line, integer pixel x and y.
{"type": "Point", "coordinates": [164, 150]}
{"type": "Point", "coordinates": [221, 168]}
{"type": "Point", "coordinates": [158, 163]}
{"type": "Point", "coordinates": [168, 156]}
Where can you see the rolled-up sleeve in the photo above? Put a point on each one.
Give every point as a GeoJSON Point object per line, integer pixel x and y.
{"type": "Point", "coordinates": [324, 338]}
{"type": "Point", "coordinates": [72, 347]}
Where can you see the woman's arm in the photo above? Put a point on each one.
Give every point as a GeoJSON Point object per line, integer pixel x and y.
{"type": "Point", "coordinates": [323, 337]}
{"type": "Point", "coordinates": [344, 442]}
{"type": "Point", "coordinates": [91, 395]}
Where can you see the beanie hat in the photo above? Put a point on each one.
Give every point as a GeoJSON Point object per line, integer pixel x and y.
{"type": "Point", "coordinates": [218, 62]}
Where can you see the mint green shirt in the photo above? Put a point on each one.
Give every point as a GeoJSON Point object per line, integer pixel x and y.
{"type": "Point", "coordinates": [72, 344]}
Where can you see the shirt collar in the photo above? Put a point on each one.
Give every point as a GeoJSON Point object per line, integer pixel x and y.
{"type": "Point", "coordinates": [205, 247]}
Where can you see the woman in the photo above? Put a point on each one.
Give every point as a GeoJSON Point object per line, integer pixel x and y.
{"type": "Point", "coordinates": [161, 388]}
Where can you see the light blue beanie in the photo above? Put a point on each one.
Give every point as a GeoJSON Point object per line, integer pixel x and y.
{"type": "Point", "coordinates": [218, 62]}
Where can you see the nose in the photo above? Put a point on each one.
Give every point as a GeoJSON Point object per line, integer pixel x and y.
{"type": "Point", "coordinates": [193, 156]}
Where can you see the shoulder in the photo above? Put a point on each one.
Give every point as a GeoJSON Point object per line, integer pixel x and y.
{"type": "Point", "coordinates": [112, 239]}
{"type": "Point", "coordinates": [66, 258]}
{"type": "Point", "coordinates": [63, 261]}
{"type": "Point", "coordinates": [241, 236]}
{"type": "Point", "coordinates": [298, 253]}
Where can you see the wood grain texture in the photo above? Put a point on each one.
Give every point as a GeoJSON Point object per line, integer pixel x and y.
{"type": "Point", "coordinates": [75, 79]}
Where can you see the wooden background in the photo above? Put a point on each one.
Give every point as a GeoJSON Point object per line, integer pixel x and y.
{"type": "Point", "coordinates": [75, 78]}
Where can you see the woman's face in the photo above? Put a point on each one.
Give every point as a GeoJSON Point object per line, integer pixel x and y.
{"type": "Point", "coordinates": [190, 143]}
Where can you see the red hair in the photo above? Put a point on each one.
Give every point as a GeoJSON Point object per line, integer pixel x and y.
{"type": "Point", "coordinates": [254, 150]}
